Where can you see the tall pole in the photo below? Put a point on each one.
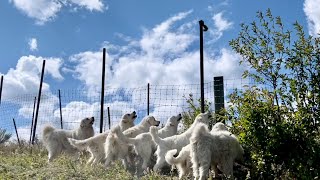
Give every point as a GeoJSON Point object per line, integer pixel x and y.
{"type": "Point", "coordinates": [60, 109]}
{"type": "Point", "coordinates": [15, 127]}
{"type": "Point", "coordinates": [148, 99]}
{"type": "Point", "coordinates": [38, 103]}
{"type": "Point", "coordinates": [203, 27]}
{"type": "Point", "coordinates": [102, 88]}
{"type": "Point", "coordinates": [1, 85]}
{"type": "Point", "coordinates": [34, 106]}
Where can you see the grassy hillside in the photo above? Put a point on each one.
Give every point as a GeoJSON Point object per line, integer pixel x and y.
{"type": "Point", "coordinates": [30, 162]}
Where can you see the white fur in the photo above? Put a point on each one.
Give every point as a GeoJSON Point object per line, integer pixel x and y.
{"type": "Point", "coordinates": [174, 142]}
{"type": "Point", "coordinates": [95, 144]}
{"type": "Point", "coordinates": [215, 149]}
{"type": "Point", "coordinates": [144, 145]}
{"type": "Point", "coordinates": [183, 160]}
{"type": "Point", "coordinates": [117, 149]}
{"type": "Point", "coordinates": [56, 140]}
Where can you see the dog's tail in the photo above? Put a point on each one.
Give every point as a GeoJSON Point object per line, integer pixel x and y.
{"type": "Point", "coordinates": [183, 155]}
{"type": "Point", "coordinates": [47, 130]}
{"type": "Point", "coordinates": [154, 135]}
{"type": "Point", "coordinates": [79, 144]}
{"type": "Point", "coordinates": [122, 137]}
{"type": "Point", "coordinates": [199, 130]}
{"type": "Point", "coordinates": [170, 157]}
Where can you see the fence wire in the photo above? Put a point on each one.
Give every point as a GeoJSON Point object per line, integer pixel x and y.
{"type": "Point", "coordinates": [164, 101]}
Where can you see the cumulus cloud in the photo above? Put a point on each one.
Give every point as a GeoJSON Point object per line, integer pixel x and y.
{"type": "Point", "coordinates": [25, 77]}
{"type": "Point", "coordinates": [45, 10]}
{"type": "Point", "coordinates": [221, 24]}
{"type": "Point", "coordinates": [33, 44]}
{"type": "Point", "coordinates": [162, 40]}
{"type": "Point", "coordinates": [162, 56]}
{"type": "Point", "coordinates": [312, 10]}
{"type": "Point", "coordinates": [90, 4]}
{"type": "Point", "coordinates": [88, 69]}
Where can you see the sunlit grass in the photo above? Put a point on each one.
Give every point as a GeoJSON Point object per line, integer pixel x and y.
{"type": "Point", "coordinates": [30, 162]}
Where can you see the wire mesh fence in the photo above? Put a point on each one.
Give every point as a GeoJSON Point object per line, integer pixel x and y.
{"type": "Point", "coordinates": [164, 101]}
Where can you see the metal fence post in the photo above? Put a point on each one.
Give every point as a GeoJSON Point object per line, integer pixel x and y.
{"type": "Point", "coordinates": [38, 103]}
{"type": "Point", "coordinates": [203, 27]}
{"type": "Point", "coordinates": [109, 120]}
{"type": "Point", "coordinates": [148, 99]}
{"type": "Point", "coordinates": [60, 109]}
{"type": "Point", "coordinates": [15, 127]}
{"type": "Point", "coordinates": [34, 106]}
{"type": "Point", "coordinates": [218, 93]}
{"type": "Point", "coordinates": [102, 88]}
{"type": "Point", "coordinates": [1, 85]}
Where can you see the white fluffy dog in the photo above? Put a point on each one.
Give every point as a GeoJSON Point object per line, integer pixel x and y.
{"type": "Point", "coordinates": [183, 160]}
{"type": "Point", "coordinates": [217, 149]}
{"type": "Point", "coordinates": [56, 140]}
{"type": "Point", "coordinates": [95, 144]}
{"type": "Point", "coordinates": [117, 149]}
{"type": "Point", "coordinates": [144, 145]}
{"type": "Point", "coordinates": [174, 142]}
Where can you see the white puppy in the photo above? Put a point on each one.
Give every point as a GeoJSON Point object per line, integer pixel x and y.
{"type": "Point", "coordinates": [217, 149]}
{"type": "Point", "coordinates": [183, 160]}
{"type": "Point", "coordinates": [56, 140]}
{"type": "Point", "coordinates": [174, 142]}
{"type": "Point", "coordinates": [144, 145]}
{"type": "Point", "coordinates": [95, 144]}
{"type": "Point", "coordinates": [116, 149]}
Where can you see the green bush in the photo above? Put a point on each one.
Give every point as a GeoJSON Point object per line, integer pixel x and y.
{"type": "Point", "coordinates": [4, 136]}
{"type": "Point", "coordinates": [278, 121]}
{"type": "Point", "coordinates": [189, 114]}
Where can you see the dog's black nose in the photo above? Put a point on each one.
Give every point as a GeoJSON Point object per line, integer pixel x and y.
{"type": "Point", "coordinates": [134, 112]}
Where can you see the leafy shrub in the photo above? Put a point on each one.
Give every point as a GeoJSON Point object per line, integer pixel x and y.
{"type": "Point", "coordinates": [4, 136]}
{"type": "Point", "coordinates": [278, 123]}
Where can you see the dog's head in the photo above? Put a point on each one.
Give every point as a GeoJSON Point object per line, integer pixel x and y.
{"type": "Point", "coordinates": [127, 120]}
{"type": "Point", "coordinates": [203, 118]}
{"type": "Point", "coordinates": [150, 121]}
{"type": "Point", "coordinates": [219, 126]}
{"type": "Point", "coordinates": [174, 120]}
{"type": "Point", "coordinates": [87, 122]}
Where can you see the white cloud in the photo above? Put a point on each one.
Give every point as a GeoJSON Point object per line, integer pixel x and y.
{"type": "Point", "coordinates": [41, 10]}
{"type": "Point", "coordinates": [221, 23]}
{"type": "Point", "coordinates": [312, 11]}
{"type": "Point", "coordinates": [88, 69]}
{"type": "Point", "coordinates": [45, 10]}
{"type": "Point", "coordinates": [33, 44]}
{"type": "Point", "coordinates": [163, 56]}
{"type": "Point", "coordinates": [25, 78]}
{"type": "Point", "coordinates": [162, 40]}
{"type": "Point", "coordinates": [90, 4]}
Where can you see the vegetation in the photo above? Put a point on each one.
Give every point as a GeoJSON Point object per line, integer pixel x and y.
{"type": "Point", "coordinates": [4, 136]}
{"type": "Point", "coordinates": [193, 110]}
{"type": "Point", "coordinates": [278, 123]}
{"type": "Point", "coordinates": [30, 162]}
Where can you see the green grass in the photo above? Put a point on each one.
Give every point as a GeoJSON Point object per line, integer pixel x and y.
{"type": "Point", "coordinates": [30, 162]}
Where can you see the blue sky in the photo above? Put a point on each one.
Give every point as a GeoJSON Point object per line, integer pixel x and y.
{"type": "Point", "coordinates": [81, 25]}
{"type": "Point", "coordinates": [147, 41]}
